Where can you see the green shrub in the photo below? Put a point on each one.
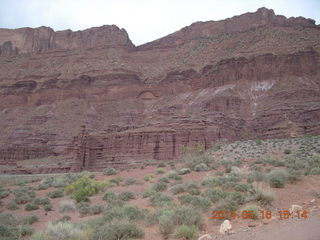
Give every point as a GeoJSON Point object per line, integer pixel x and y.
{"type": "Point", "coordinates": [83, 208]}
{"type": "Point", "coordinates": [251, 212]}
{"type": "Point", "coordinates": [186, 232]}
{"type": "Point", "coordinates": [117, 230]}
{"type": "Point", "coordinates": [85, 187]}
{"type": "Point", "coordinates": [148, 178]}
{"type": "Point", "coordinates": [185, 198]}
{"type": "Point", "coordinates": [315, 171]}
{"type": "Point", "coordinates": [109, 197]}
{"type": "Point", "coordinates": [227, 206]}
{"type": "Point", "coordinates": [265, 197]}
{"type": "Point", "coordinates": [4, 194]}
{"type": "Point", "coordinates": [219, 173]}
{"type": "Point", "coordinates": [173, 174]}
{"type": "Point", "coordinates": [66, 206]}
{"type": "Point", "coordinates": [191, 160]}
{"type": "Point", "coordinates": [202, 167]}
{"type": "Point", "coordinates": [116, 181]}
{"type": "Point", "coordinates": [161, 200]}
{"type": "Point", "coordinates": [126, 196]}
{"type": "Point", "coordinates": [47, 207]}
{"type": "Point", "coordinates": [241, 187]}
{"type": "Point", "coordinates": [184, 171]}
{"type": "Point", "coordinates": [60, 231]}
{"type": "Point", "coordinates": [110, 171]}
{"type": "Point", "coordinates": [12, 206]}
{"type": "Point", "coordinates": [31, 207]}
{"type": "Point", "coordinates": [171, 218]}
{"type": "Point", "coordinates": [23, 194]}
{"type": "Point", "coordinates": [30, 219]}
{"type": "Point", "coordinates": [96, 209]}
{"type": "Point", "coordinates": [161, 171]}
{"type": "Point", "coordinates": [159, 186]}
{"type": "Point", "coordinates": [130, 181]}
{"type": "Point", "coordinates": [148, 192]}
{"type": "Point", "coordinates": [200, 203]}
{"type": "Point", "coordinates": [55, 194]}
{"type": "Point", "coordinates": [65, 218]}
{"type": "Point", "coordinates": [294, 175]}
{"type": "Point", "coordinates": [162, 164]}
{"type": "Point", "coordinates": [277, 178]}
{"type": "Point", "coordinates": [256, 176]}
{"type": "Point", "coordinates": [128, 212]}
{"type": "Point", "coordinates": [258, 142]}
{"type": "Point", "coordinates": [215, 195]}
{"type": "Point", "coordinates": [287, 151]}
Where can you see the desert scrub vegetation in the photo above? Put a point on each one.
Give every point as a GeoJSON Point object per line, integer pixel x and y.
{"type": "Point", "coordinates": [84, 187]}
{"type": "Point", "coordinates": [264, 197]}
{"type": "Point", "coordinates": [56, 194]}
{"type": "Point", "coordinates": [251, 211]}
{"type": "Point", "coordinates": [110, 171]}
{"type": "Point", "coordinates": [189, 187]}
{"type": "Point", "coordinates": [12, 229]}
{"type": "Point", "coordinates": [184, 171]}
{"type": "Point", "coordinates": [171, 218]}
{"type": "Point", "coordinates": [131, 181]}
{"type": "Point", "coordinates": [186, 232]}
{"type": "Point", "coordinates": [196, 202]}
{"type": "Point", "coordinates": [161, 200]}
{"type": "Point", "coordinates": [159, 186]}
{"type": "Point", "coordinates": [196, 157]}
{"type": "Point", "coordinates": [31, 207]}
{"type": "Point", "coordinates": [161, 170]}
{"type": "Point", "coordinates": [66, 206]}
{"type": "Point", "coordinates": [126, 196]}
{"type": "Point", "coordinates": [59, 231]}
{"type": "Point", "coordinates": [24, 194]}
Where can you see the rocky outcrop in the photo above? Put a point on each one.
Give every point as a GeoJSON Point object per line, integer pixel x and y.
{"type": "Point", "coordinates": [251, 76]}
{"type": "Point", "coordinates": [42, 39]}
{"type": "Point", "coordinates": [262, 17]}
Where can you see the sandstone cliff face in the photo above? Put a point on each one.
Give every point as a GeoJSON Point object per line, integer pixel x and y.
{"type": "Point", "coordinates": [27, 40]}
{"type": "Point", "coordinates": [251, 76]}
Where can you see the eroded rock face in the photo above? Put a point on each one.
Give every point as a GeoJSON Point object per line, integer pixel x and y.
{"type": "Point", "coordinates": [251, 76]}
{"type": "Point", "coordinates": [42, 39]}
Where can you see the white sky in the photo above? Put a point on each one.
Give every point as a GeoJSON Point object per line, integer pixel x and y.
{"type": "Point", "coordinates": [144, 20]}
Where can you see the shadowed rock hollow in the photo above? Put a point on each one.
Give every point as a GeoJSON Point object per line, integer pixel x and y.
{"type": "Point", "coordinates": [251, 76]}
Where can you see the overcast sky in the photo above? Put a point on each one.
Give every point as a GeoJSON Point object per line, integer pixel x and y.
{"type": "Point", "coordinates": [144, 20]}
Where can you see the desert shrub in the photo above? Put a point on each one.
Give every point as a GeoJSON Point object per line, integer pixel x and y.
{"type": "Point", "coordinates": [277, 178]}
{"type": "Point", "coordinates": [294, 175]}
{"type": "Point", "coordinates": [31, 207]}
{"type": "Point", "coordinates": [258, 142]}
{"type": "Point", "coordinates": [4, 194]}
{"type": "Point", "coordinates": [256, 176]}
{"type": "Point", "coordinates": [126, 196]}
{"type": "Point", "coordinates": [67, 206]}
{"type": "Point", "coordinates": [47, 207]}
{"type": "Point", "coordinates": [43, 186]}
{"type": "Point", "coordinates": [96, 209]}
{"type": "Point", "coordinates": [186, 232]}
{"type": "Point", "coordinates": [161, 170]}
{"type": "Point", "coordinates": [130, 181]}
{"type": "Point", "coordinates": [148, 178]}
{"type": "Point", "coordinates": [116, 181]}
{"type": "Point", "coordinates": [251, 211]}
{"type": "Point", "coordinates": [117, 230]}
{"type": "Point", "coordinates": [219, 173]}
{"type": "Point", "coordinates": [227, 206]}
{"type": "Point", "coordinates": [164, 179]}
{"type": "Point", "coordinates": [65, 218]}
{"type": "Point", "coordinates": [314, 193]}
{"type": "Point", "coordinates": [60, 231]}
{"type": "Point", "coordinates": [148, 192]}
{"type": "Point", "coordinates": [265, 197]}
{"type": "Point", "coordinates": [24, 194]}
{"type": "Point", "coordinates": [109, 197]}
{"type": "Point", "coordinates": [185, 198]}
{"type": "Point", "coordinates": [85, 187]}
{"type": "Point", "coordinates": [241, 187]}
{"type": "Point", "coordinates": [12, 229]}
{"type": "Point", "coordinates": [30, 219]}
{"type": "Point", "coordinates": [161, 200]}
{"type": "Point", "coordinates": [159, 186]}
{"type": "Point", "coordinates": [12, 205]}
{"type": "Point", "coordinates": [215, 195]}
{"type": "Point", "coordinates": [184, 171]}
{"type": "Point", "coordinates": [200, 203]}
{"type": "Point", "coordinates": [315, 171]}
{"type": "Point", "coordinates": [173, 174]}
{"type": "Point", "coordinates": [202, 167]}
{"type": "Point", "coordinates": [110, 171]}
{"type": "Point", "coordinates": [161, 164]}
{"type": "Point", "coordinates": [237, 197]}
{"type": "Point", "coordinates": [171, 218]}
{"type": "Point", "coordinates": [287, 151]}
{"type": "Point", "coordinates": [127, 211]}
{"type": "Point", "coordinates": [56, 194]}
{"type": "Point", "coordinates": [191, 160]}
